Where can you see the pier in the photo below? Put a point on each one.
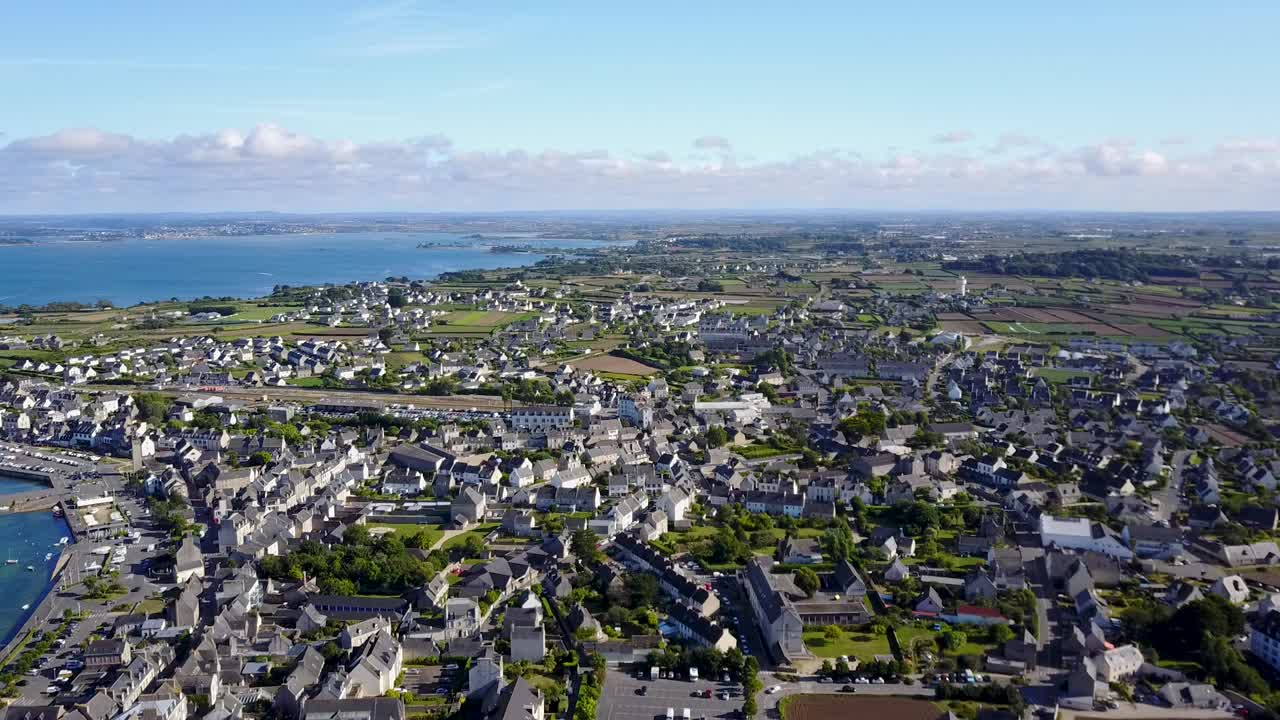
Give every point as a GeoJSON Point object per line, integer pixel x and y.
{"type": "Point", "coordinates": [33, 501]}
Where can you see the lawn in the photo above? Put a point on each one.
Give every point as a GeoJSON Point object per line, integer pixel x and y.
{"type": "Point", "coordinates": [678, 538]}
{"type": "Point", "coordinates": [821, 707]}
{"type": "Point", "coordinates": [756, 451]}
{"type": "Point", "coordinates": [254, 313]}
{"type": "Point", "coordinates": [484, 318]}
{"type": "Point", "coordinates": [1060, 375]}
{"type": "Point", "coordinates": [479, 531]}
{"type": "Point", "coordinates": [150, 606]}
{"type": "Point", "coordinates": [908, 634]}
{"type": "Point", "coordinates": [404, 530]}
{"type": "Point", "coordinates": [854, 643]}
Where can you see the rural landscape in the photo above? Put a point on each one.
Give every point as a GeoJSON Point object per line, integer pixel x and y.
{"type": "Point", "coordinates": [986, 466]}
{"type": "Point", "coordinates": [428, 360]}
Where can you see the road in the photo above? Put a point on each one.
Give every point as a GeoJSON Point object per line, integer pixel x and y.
{"type": "Point", "coordinates": [1142, 712]}
{"type": "Point", "coordinates": [1042, 587]}
{"type": "Point", "coordinates": [932, 378]}
{"type": "Point", "coordinates": [737, 615]}
{"type": "Point", "coordinates": [1170, 496]}
{"type": "Point", "coordinates": [1138, 370]}
{"type": "Point", "coordinates": [485, 403]}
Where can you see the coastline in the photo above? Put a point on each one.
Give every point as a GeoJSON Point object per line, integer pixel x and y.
{"type": "Point", "coordinates": [11, 584]}
{"type": "Point", "coordinates": [25, 625]}
{"type": "Point", "coordinates": [138, 271]}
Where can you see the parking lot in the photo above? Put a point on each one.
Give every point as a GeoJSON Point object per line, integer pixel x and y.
{"type": "Point", "coordinates": [621, 699]}
{"type": "Point", "coordinates": [423, 680]}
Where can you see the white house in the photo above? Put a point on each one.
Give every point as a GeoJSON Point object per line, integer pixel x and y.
{"type": "Point", "coordinates": [675, 503]}
{"type": "Point", "coordinates": [1082, 534]}
{"type": "Point", "coordinates": [1231, 588]}
{"type": "Point", "coordinates": [1122, 662]}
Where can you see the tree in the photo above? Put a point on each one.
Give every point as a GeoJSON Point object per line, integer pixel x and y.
{"type": "Point", "coordinates": [642, 590]}
{"type": "Point", "coordinates": [259, 459]}
{"type": "Point", "coordinates": [725, 547]}
{"type": "Point", "coordinates": [837, 542]}
{"type": "Point", "coordinates": [356, 535]}
{"type": "Point", "coordinates": [583, 545]}
{"type": "Point", "coordinates": [473, 546]}
{"type": "Point", "coordinates": [953, 639]}
{"type": "Point", "coordinates": [866, 421]}
{"type": "Point", "coordinates": [716, 436]}
{"type": "Point", "coordinates": [553, 525]}
{"type": "Point", "coordinates": [152, 407]}
{"type": "Point", "coordinates": [808, 582]}
{"type": "Point", "coordinates": [1001, 634]}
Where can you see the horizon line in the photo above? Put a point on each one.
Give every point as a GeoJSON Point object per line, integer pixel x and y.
{"type": "Point", "coordinates": [680, 211]}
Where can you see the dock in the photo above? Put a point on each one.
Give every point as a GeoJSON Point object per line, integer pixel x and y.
{"type": "Point", "coordinates": [34, 500]}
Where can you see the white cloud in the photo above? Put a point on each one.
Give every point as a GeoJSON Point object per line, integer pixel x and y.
{"type": "Point", "coordinates": [1015, 141]}
{"type": "Point", "coordinates": [1118, 158]}
{"type": "Point", "coordinates": [1260, 145]}
{"type": "Point", "coordinates": [953, 137]}
{"type": "Point", "coordinates": [712, 142]}
{"type": "Point", "coordinates": [274, 167]}
{"type": "Point", "coordinates": [74, 142]}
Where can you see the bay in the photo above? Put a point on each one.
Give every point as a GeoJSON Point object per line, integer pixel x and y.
{"type": "Point", "coordinates": [128, 272]}
{"type": "Point", "coordinates": [27, 538]}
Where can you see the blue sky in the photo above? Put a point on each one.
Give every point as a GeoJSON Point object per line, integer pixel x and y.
{"type": "Point", "coordinates": [1163, 85]}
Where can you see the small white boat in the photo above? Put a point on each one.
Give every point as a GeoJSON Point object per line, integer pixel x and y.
{"type": "Point", "coordinates": [64, 541]}
{"type": "Point", "coordinates": [31, 568]}
{"type": "Point", "coordinates": [27, 606]}
{"type": "Point", "coordinates": [48, 556]}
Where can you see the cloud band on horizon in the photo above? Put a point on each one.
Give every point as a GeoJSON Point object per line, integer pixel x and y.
{"type": "Point", "coordinates": [270, 167]}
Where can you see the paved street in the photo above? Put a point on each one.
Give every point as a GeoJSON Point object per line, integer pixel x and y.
{"type": "Point", "coordinates": [742, 623]}
{"type": "Point", "coordinates": [1170, 496]}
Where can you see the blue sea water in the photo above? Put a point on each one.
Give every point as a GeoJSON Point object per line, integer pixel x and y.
{"type": "Point", "coordinates": [132, 271]}
{"type": "Point", "coordinates": [27, 538]}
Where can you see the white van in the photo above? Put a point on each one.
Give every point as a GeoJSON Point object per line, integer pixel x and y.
{"type": "Point", "coordinates": [671, 714]}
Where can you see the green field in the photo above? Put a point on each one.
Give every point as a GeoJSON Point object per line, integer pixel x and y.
{"type": "Point", "coordinates": [485, 318]}
{"type": "Point", "coordinates": [854, 643]}
{"type": "Point", "coordinates": [1059, 375]}
{"type": "Point", "coordinates": [756, 451]}
{"type": "Point", "coordinates": [479, 531]}
{"type": "Point", "coordinates": [405, 530]}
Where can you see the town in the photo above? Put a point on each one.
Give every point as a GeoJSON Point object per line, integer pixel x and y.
{"type": "Point", "coordinates": [937, 472]}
